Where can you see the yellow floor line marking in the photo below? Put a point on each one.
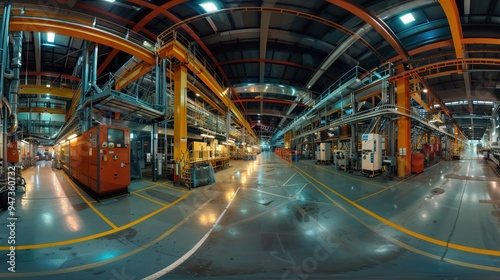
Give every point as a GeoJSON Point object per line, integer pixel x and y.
{"type": "Point", "coordinates": [97, 235]}
{"type": "Point", "coordinates": [349, 177]}
{"type": "Point", "coordinates": [381, 191]}
{"type": "Point", "coordinates": [395, 241]}
{"type": "Point", "coordinates": [150, 199]}
{"type": "Point", "coordinates": [161, 184]}
{"type": "Point", "coordinates": [88, 203]}
{"type": "Point", "coordinates": [405, 230]}
{"type": "Point", "coordinates": [111, 260]}
{"type": "Point", "coordinates": [143, 189]}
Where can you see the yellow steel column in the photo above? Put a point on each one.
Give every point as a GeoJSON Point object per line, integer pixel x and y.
{"type": "Point", "coordinates": [404, 126]}
{"type": "Point", "coordinates": [180, 114]}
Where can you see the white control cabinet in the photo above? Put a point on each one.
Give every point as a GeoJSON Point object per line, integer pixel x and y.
{"type": "Point", "coordinates": [325, 152]}
{"type": "Point", "coordinates": [371, 161]}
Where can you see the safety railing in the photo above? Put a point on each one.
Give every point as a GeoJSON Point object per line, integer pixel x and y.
{"type": "Point", "coordinates": [175, 36]}
{"type": "Point", "coordinates": [58, 13]}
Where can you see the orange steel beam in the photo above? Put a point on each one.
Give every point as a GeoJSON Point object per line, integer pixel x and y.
{"type": "Point", "coordinates": [176, 49]}
{"type": "Point", "coordinates": [156, 10]}
{"type": "Point", "coordinates": [34, 89]}
{"type": "Point", "coordinates": [416, 96]}
{"type": "Point", "coordinates": [377, 24]}
{"type": "Point", "coordinates": [453, 65]}
{"type": "Point", "coordinates": [485, 41]}
{"type": "Point", "coordinates": [42, 110]}
{"type": "Point", "coordinates": [437, 99]}
{"type": "Point", "coordinates": [453, 16]}
{"type": "Point", "coordinates": [82, 30]}
{"type": "Point", "coordinates": [404, 125]}
{"type": "Point", "coordinates": [180, 114]}
{"type": "Point", "coordinates": [433, 46]}
{"type": "Point", "coordinates": [132, 74]}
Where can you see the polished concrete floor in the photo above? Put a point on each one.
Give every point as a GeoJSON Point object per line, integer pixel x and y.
{"type": "Point", "coordinates": [263, 219]}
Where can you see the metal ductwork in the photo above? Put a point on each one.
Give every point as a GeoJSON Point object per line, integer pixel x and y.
{"type": "Point", "coordinates": [301, 95]}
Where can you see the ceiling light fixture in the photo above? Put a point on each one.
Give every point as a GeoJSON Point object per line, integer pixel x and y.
{"type": "Point", "coordinates": [110, 1]}
{"type": "Point", "coordinates": [51, 36]}
{"type": "Point", "coordinates": [209, 7]}
{"type": "Point", "coordinates": [407, 18]}
{"type": "Point", "coordinates": [71, 136]}
{"type": "Point", "coordinates": [207, 135]}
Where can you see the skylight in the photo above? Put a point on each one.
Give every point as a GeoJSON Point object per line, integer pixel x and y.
{"type": "Point", "coordinates": [407, 18]}
{"type": "Point", "coordinates": [50, 37]}
{"type": "Point", "coordinates": [209, 7]}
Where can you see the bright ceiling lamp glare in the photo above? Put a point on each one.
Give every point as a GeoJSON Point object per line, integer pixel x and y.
{"type": "Point", "coordinates": [51, 36]}
{"type": "Point", "coordinates": [71, 136]}
{"type": "Point", "coordinates": [407, 18]}
{"type": "Point", "coordinates": [207, 136]}
{"type": "Point", "coordinates": [110, 1]}
{"type": "Point", "coordinates": [209, 7]}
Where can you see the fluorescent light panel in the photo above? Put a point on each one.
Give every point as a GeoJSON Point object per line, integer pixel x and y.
{"type": "Point", "coordinates": [51, 36]}
{"type": "Point", "coordinates": [71, 136]}
{"type": "Point", "coordinates": [407, 18]}
{"type": "Point", "coordinates": [207, 135]}
{"type": "Point", "coordinates": [209, 7]}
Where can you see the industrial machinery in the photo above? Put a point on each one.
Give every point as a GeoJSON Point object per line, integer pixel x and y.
{"type": "Point", "coordinates": [371, 162]}
{"type": "Point", "coordinates": [325, 153]}
{"type": "Point", "coordinates": [100, 160]}
{"type": "Point", "coordinates": [340, 159]}
{"type": "Point", "coordinates": [494, 155]}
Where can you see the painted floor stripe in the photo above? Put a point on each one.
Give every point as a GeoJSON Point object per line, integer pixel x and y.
{"type": "Point", "coordinates": [150, 199]}
{"type": "Point", "coordinates": [399, 243]}
{"type": "Point", "coordinates": [108, 261]}
{"type": "Point", "coordinates": [349, 177]}
{"type": "Point", "coordinates": [192, 250]}
{"type": "Point", "coordinates": [97, 235]}
{"type": "Point", "coordinates": [89, 204]}
{"type": "Point", "coordinates": [405, 230]}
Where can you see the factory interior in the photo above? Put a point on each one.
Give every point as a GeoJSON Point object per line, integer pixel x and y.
{"type": "Point", "coordinates": [337, 139]}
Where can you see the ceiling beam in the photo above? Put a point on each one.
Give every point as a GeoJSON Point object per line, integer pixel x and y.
{"type": "Point", "coordinates": [453, 16]}
{"type": "Point", "coordinates": [83, 31]}
{"type": "Point", "coordinates": [155, 11]}
{"type": "Point", "coordinates": [376, 23]}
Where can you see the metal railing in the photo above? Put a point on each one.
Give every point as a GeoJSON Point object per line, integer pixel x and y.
{"type": "Point", "coordinates": [58, 14]}
{"type": "Point", "coordinates": [175, 36]}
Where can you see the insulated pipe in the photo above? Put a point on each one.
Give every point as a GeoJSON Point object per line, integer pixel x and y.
{"type": "Point", "coordinates": [4, 44]}
{"type": "Point", "coordinates": [14, 84]}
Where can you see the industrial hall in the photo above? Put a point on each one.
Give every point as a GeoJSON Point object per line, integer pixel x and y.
{"type": "Point", "coordinates": [272, 139]}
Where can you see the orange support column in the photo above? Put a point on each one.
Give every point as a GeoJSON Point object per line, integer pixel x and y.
{"type": "Point", "coordinates": [404, 126]}
{"type": "Point", "coordinates": [180, 114]}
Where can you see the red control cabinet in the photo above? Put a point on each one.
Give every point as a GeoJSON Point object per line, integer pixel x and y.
{"type": "Point", "coordinates": [100, 160]}
{"type": "Point", "coordinates": [13, 152]}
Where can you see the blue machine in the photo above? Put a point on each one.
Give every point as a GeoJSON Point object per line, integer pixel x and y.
{"type": "Point", "coordinates": [203, 174]}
